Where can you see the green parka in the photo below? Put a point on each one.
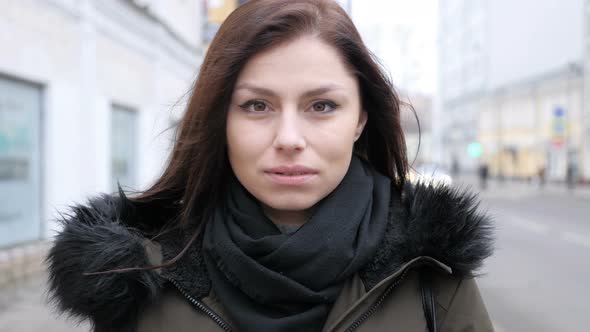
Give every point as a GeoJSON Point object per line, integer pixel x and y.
{"type": "Point", "coordinates": [434, 231]}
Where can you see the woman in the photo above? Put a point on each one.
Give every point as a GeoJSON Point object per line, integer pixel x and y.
{"type": "Point", "coordinates": [284, 206]}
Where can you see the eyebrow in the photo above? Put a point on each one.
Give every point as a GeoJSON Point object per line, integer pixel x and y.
{"type": "Point", "coordinates": [310, 93]}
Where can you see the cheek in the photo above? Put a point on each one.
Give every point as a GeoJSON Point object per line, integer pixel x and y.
{"type": "Point", "coordinates": [247, 142]}
{"type": "Point", "coordinates": [243, 139]}
{"type": "Point", "coordinates": [238, 147]}
{"type": "Point", "coordinates": [335, 140]}
{"type": "Point", "coordinates": [334, 145]}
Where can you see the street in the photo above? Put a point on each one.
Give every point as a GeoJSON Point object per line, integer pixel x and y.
{"type": "Point", "coordinates": [538, 278]}
{"type": "Point", "coordinates": [24, 309]}
{"type": "Point", "coordinates": [536, 281]}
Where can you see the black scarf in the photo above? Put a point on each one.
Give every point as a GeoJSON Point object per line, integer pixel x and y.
{"type": "Point", "coordinates": [270, 281]}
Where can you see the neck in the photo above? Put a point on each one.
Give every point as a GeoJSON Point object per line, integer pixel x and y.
{"type": "Point", "coordinates": [285, 217]}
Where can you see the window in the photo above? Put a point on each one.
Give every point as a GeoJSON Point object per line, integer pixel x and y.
{"type": "Point", "coordinates": [123, 147]}
{"type": "Point", "coordinates": [20, 112]}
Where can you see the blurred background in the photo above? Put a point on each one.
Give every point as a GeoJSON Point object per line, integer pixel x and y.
{"type": "Point", "coordinates": [90, 93]}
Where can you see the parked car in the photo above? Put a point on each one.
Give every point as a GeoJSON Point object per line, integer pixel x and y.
{"type": "Point", "coordinates": [431, 172]}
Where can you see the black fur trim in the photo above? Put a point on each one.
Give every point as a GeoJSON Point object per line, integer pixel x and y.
{"type": "Point", "coordinates": [94, 239]}
{"type": "Point", "coordinates": [441, 222]}
{"type": "Point", "coordinates": [426, 220]}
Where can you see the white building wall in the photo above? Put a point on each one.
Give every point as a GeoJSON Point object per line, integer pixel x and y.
{"type": "Point", "coordinates": [463, 76]}
{"type": "Point", "coordinates": [88, 55]}
{"type": "Point", "coordinates": [185, 18]}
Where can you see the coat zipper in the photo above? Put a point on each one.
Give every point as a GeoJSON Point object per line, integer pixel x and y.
{"type": "Point", "coordinates": [203, 307]}
{"type": "Point", "coordinates": [355, 325]}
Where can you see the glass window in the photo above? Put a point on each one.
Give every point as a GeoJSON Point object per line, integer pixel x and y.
{"type": "Point", "coordinates": [123, 147]}
{"type": "Point", "coordinates": [20, 110]}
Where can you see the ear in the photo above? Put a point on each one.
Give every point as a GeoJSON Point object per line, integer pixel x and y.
{"type": "Point", "coordinates": [361, 125]}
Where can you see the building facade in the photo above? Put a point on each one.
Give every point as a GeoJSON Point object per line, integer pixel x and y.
{"type": "Point", "coordinates": [487, 50]}
{"type": "Point", "coordinates": [216, 12]}
{"type": "Point", "coordinates": [534, 126]}
{"type": "Point", "coordinates": [463, 58]}
{"type": "Point", "coordinates": [88, 90]}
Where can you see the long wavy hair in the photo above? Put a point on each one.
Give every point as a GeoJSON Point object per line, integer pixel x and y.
{"type": "Point", "coordinates": [196, 173]}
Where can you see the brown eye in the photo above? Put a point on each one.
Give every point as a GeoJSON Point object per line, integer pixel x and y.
{"type": "Point", "coordinates": [255, 106]}
{"type": "Point", "coordinates": [323, 107]}
{"type": "Point", "coordinates": [319, 107]}
{"type": "Point", "coordinates": [259, 106]}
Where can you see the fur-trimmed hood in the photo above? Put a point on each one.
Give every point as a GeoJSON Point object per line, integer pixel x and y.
{"type": "Point", "coordinates": [426, 220]}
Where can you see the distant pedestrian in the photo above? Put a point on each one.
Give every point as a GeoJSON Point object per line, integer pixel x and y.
{"type": "Point", "coordinates": [455, 167]}
{"type": "Point", "coordinates": [483, 176]}
{"type": "Point", "coordinates": [570, 176]}
{"type": "Point", "coordinates": [541, 176]}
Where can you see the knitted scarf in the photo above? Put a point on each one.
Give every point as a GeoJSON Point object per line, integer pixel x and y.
{"type": "Point", "coordinates": [274, 281]}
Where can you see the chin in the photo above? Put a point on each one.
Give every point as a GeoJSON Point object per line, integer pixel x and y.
{"type": "Point", "coordinates": [289, 203]}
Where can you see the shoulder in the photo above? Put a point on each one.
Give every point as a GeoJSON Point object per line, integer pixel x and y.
{"type": "Point", "coordinates": [445, 223]}
{"type": "Point", "coordinates": [440, 222]}
{"type": "Point", "coordinates": [460, 305]}
{"type": "Point", "coordinates": [99, 236]}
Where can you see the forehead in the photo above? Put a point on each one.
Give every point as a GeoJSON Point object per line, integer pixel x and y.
{"type": "Point", "coordinates": [303, 61]}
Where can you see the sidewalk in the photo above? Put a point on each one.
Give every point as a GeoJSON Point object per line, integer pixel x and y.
{"type": "Point", "coordinates": [24, 308]}
{"type": "Point", "coordinates": [512, 189]}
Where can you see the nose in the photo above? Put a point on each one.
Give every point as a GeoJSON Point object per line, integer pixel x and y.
{"type": "Point", "coordinates": [289, 132]}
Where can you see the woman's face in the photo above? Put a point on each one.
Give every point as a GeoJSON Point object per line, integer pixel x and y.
{"type": "Point", "coordinates": [294, 116]}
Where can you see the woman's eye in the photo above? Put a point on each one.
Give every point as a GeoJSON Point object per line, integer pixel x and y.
{"type": "Point", "coordinates": [323, 107]}
{"type": "Point", "coordinates": [255, 106]}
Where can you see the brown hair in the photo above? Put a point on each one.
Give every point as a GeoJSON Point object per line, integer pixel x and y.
{"type": "Point", "coordinates": [198, 167]}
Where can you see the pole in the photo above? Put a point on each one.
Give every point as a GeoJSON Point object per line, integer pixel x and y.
{"type": "Point", "coordinates": [583, 129]}
{"type": "Point", "coordinates": [582, 146]}
{"type": "Point", "coordinates": [499, 95]}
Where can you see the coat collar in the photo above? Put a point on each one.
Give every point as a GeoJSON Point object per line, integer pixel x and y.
{"type": "Point", "coordinates": [436, 221]}
{"type": "Point", "coordinates": [425, 220]}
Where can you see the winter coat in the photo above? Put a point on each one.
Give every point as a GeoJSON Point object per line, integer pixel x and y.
{"type": "Point", "coordinates": [433, 230]}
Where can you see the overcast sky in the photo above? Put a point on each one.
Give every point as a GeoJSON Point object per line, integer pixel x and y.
{"type": "Point", "coordinates": [402, 34]}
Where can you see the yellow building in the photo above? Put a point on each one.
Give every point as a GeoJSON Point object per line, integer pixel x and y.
{"type": "Point", "coordinates": [534, 124]}
{"type": "Point", "coordinates": [217, 12]}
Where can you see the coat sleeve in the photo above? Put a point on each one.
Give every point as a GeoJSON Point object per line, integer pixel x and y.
{"type": "Point", "coordinates": [93, 239]}
{"type": "Point", "coordinates": [467, 311]}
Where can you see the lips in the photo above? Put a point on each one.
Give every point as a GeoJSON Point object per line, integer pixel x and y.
{"type": "Point", "coordinates": [291, 175]}
{"type": "Point", "coordinates": [292, 170]}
